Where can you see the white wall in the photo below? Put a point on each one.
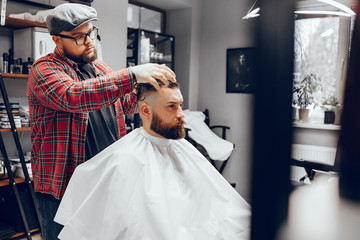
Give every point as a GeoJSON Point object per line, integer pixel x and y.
{"type": "Point", "coordinates": [222, 28]}
{"type": "Point", "coordinates": [112, 23]}
{"type": "Point", "coordinates": [182, 35]}
{"type": "Point", "coordinates": [185, 24]}
{"type": "Point", "coordinates": [195, 58]}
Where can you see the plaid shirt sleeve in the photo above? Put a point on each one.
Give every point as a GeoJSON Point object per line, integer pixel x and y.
{"type": "Point", "coordinates": [59, 87]}
{"type": "Point", "coordinates": [129, 104]}
{"type": "Point", "coordinates": [128, 101]}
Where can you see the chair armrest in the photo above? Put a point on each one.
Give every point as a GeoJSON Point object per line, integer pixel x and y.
{"type": "Point", "coordinates": [313, 165]}
{"type": "Point", "coordinates": [187, 132]}
{"type": "Point", "coordinates": [224, 128]}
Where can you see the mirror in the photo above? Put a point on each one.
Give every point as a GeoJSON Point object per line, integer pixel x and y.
{"type": "Point", "coordinates": [322, 37]}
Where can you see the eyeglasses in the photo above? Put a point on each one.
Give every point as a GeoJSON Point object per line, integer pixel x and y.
{"type": "Point", "coordinates": [81, 39]}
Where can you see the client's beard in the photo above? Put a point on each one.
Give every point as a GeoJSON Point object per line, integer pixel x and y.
{"type": "Point", "coordinates": [83, 58]}
{"type": "Point", "coordinates": [166, 130]}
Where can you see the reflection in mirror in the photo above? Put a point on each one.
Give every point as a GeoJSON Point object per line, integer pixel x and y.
{"type": "Point", "coordinates": [322, 36]}
{"type": "Point", "coordinates": [316, 48]}
{"type": "Point", "coordinates": [322, 40]}
{"type": "Point", "coordinates": [320, 61]}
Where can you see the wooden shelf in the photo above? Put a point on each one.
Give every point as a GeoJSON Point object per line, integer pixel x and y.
{"type": "Point", "coordinates": [6, 181]}
{"type": "Point", "coordinates": [23, 233]}
{"type": "Point", "coordinates": [22, 129]}
{"type": "Point", "coordinates": [19, 23]}
{"type": "Point", "coordinates": [15, 75]}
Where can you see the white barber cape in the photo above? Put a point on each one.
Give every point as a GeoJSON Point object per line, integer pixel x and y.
{"type": "Point", "coordinates": [148, 188]}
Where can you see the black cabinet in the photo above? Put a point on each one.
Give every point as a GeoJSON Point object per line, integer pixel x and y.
{"type": "Point", "coordinates": [145, 46]}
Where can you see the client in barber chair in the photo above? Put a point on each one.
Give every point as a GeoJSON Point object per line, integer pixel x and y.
{"type": "Point", "coordinates": [152, 184]}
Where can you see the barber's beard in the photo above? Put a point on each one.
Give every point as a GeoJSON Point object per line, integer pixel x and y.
{"type": "Point", "coordinates": [83, 58]}
{"type": "Point", "coordinates": [167, 130]}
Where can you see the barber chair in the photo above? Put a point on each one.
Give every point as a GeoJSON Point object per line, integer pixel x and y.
{"type": "Point", "coordinates": [200, 134]}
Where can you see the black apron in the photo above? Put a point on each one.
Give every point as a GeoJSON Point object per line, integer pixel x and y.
{"type": "Point", "coordinates": [102, 128]}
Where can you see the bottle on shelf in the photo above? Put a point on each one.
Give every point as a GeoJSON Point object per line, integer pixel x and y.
{"type": "Point", "coordinates": [11, 59]}
{"type": "Point", "coordinates": [145, 49]}
{"type": "Point", "coordinates": [17, 66]}
{"type": "Point", "coordinates": [27, 66]}
{"type": "Point", "coordinates": [5, 62]}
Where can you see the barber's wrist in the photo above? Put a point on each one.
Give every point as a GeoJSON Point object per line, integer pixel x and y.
{"type": "Point", "coordinates": [132, 73]}
{"type": "Point", "coordinates": [133, 76]}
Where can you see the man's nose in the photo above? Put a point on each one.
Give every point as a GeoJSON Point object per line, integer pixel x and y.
{"type": "Point", "coordinates": [88, 40]}
{"type": "Point", "coordinates": [180, 113]}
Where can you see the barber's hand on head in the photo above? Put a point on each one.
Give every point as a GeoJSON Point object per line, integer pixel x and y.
{"type": "Point", "coordinates": [147, 73]}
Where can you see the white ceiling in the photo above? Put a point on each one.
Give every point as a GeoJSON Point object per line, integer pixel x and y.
{"type": "Point", "coordinates": [167, 4]}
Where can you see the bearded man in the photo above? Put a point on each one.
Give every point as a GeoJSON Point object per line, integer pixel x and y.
{"type": "Point", "coordinates": [152, 184]}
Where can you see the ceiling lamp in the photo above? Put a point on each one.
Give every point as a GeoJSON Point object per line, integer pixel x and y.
{"type": "Point", "coordinates": [346, 11]}
{"type": "Point", "coordinates": [252, 12]}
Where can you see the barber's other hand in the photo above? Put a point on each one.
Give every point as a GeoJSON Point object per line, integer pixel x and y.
{"type": "Point", "coordinates": [147, 73]}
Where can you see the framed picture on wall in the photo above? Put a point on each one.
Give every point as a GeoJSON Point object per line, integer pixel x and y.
{"type": "Point", "coordinates": [240, 70]}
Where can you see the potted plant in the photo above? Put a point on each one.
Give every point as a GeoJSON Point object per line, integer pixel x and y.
{"type": "Point", "coordinates": [332, 110]}
{"type": "Point", "coordinates": [305, 94]}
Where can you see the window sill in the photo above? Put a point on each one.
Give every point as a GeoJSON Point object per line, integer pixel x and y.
{"type": "Point", "coordinates": [319, 126]}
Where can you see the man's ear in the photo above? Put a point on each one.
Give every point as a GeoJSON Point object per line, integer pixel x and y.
{"type": "Point", "coordinates": [145, 110]}
{"type": "Point", "coordinates": [57, 40]}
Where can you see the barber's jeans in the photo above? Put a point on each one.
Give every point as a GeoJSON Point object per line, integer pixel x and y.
{"type": "Point", "coordinates": [48, 206]}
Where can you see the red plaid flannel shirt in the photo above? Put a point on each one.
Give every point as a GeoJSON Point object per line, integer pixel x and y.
{"type": "Point", "coordinates": [59, 100]}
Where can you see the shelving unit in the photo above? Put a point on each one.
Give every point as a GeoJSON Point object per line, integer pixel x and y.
{"type": "Point", "coordinates": [21, 187]}
{"type": "Point", "coordinates": [163, 48]}
{"type": "Point", "coordinates": [12, 181]}
{"type": "Point", "coordinates": [162, 52]}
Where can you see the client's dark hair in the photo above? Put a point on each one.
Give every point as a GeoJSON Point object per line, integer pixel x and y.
{"type": "Point", "coordinates": [144, 88]}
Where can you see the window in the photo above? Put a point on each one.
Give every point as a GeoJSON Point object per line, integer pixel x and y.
{"type": "Point", "coordinates": [322, 41]}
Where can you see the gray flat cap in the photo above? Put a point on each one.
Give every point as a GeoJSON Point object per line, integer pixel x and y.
{"type": "Point", "coordinates": [69, 16]}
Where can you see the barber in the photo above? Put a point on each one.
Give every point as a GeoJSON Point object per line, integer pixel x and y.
{"type": "Point", "coordinates": [76, 104]}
